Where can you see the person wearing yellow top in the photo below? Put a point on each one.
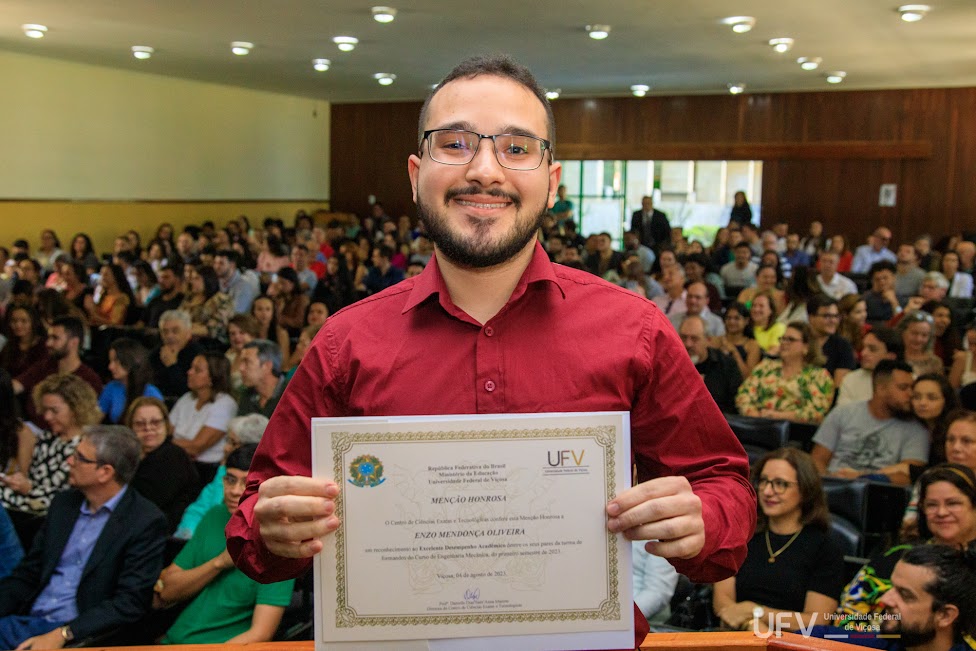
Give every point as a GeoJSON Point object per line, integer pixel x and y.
{"type": "Point", "coordinates": [765, 329]}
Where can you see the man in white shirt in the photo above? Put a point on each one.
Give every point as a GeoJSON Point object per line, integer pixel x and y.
{"type": "Point", "coordinates": [741, 272]}
{"type": "Point", "coordinates": [672, 301]}
{"type": "Point", "coordinates": [696, 304]}
{"type": "Point", "coordinates": [880, 343]}
{"type": "Point", "coordinates": [832, 283]}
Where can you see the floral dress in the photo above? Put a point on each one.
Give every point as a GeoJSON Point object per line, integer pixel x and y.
{"type": "Point", "coordinates": [48, 474]}
{"type": "Point", "coordinates": [808, 394]}
{"type": "Point", "coordinates": [214, 314]}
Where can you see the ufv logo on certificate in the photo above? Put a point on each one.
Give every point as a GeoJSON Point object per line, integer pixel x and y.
{"type": "Point", "coordinates": [474, 532]}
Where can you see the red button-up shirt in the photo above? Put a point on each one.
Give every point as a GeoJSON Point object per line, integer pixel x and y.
{"type": "Point", "coordinates": [565, 341]}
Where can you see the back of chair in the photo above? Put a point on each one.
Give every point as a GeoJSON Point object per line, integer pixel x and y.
{"type": "Point", "coordinates": [759, 435]}
{"type": "Point", "coordinates": [874, 508]}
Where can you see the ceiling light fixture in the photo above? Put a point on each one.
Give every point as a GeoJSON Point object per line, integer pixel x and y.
{"type": "Point", "coordinates": [241, 48]}
{"type": "Point", "coordinates": [737, 88]}
{"type": "Point", "coordinates": [346, 43]}
{"type": "Point", "coordinates": [598, 32]}
{"type": "Point", "coordinates": [809, 63]}
{"type": "Point", "coordinates": [142, 52]}
{"type": "Point", "coordinates": [321, 65]}
{"type": "Point", "coordinates": [913, 13]}
{"type": "Point", "coordinates": [740, 24]}
{"type": "Point", "coordinates": [384, 14]}
{"type": "Point", "coordinates": [385, 78]}
{"type": "Point", "coordinates": [553, 94]}
{"type": "Point", "coordinates": [32, 30]}
{"type": "Point", "coordinates": [781, 45]}
{"type": "Point", "coordinates": [639, 90]}
{"type": "Point", "coordinates": [836, 77]}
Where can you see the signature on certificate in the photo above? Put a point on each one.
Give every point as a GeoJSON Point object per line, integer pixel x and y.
{"type": "Point", "coordinates": [472, 594]}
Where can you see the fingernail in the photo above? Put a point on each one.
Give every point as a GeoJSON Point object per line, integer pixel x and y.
{"type": "Point", "coordinates": [613, 509]}
{"type": "Point", "coordinates": [613, 524]}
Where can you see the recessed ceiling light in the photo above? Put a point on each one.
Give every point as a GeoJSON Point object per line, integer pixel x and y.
{"type": "Point", "coordinates": [142, 51]}
{"type": "Point", "coordinates": [385, 78]}
{"type": "Point", "coordinates": [836, 77]}
{"type": "Point", "coordinates": [553, 94]}
{"type": "Point", "coordinates": [384, 14]}
{"type": "Point", "coordinates": [737, 88]}
{"type": "Point", "coordinates": [639, 90]}
{"type": "Point", "coordinates": [346, 43]}
{"type": "Point", "coordinates": [809, 63]}
{"type": "Point", "coordinates": [321, 64]}
{"type": "Point", "coordinates": [241, 48]}
{"type": "Point", "coordinates": [913, 13]}
{"type": "Point", "coordinates": [740, 24]}
{"type": "Point", "coordinates": [598, 32]}
{"type": "Point", "coordinates": [781, 45]}
{"type": "Point", "coordinates": [33, 30]}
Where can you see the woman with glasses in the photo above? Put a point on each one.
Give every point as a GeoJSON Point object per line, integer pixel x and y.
{"type": "Point", "coordinates": [67, 405]}
{"type": "Point", "coordinates": [166, 475]}
{"type": "Point", "coordinates": [736, 340]}
{"type": "Point", "coordinates": [917, 330]}
{"type": "Point", "coordinates": [792, 565]}
{"type": "Point", "coordinates": [794, 387]}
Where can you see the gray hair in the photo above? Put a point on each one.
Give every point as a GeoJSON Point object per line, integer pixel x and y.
{"type": "Point", "coordinates": [268, 351]}
{"type": "Point", "coordinates": [249, 429]}
{"type": "Point", "coordinates": [937, 278]}
{"type": "Point", "coordinates": [177, 315]}
{"type": "Point", "coordinates": [116, 446]}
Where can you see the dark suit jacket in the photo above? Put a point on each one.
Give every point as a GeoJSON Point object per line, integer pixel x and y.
{"type": "Point", "coordinates": [655, 233]}
{"type": "Point", "coordinates": [116, 585]}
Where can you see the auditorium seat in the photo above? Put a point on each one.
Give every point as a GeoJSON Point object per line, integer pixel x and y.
{"type": "Point", "coordinates": [759, 435]}
{"type": "Point", "coordinates": [874, 508]}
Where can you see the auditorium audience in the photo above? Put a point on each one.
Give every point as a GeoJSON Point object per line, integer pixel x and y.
{"type": "Point", "coordinates": [766, 282]}
{"type": "Point", "coordinates": [853, 321]}
{"type": "Point", "coordinates": [170, 295]}
{"type": "Point", "coordinates": [209, 308]}
{"type": "Point", "coordinates": [131, 372]}
{"type": "Point", "coordinates": [881, 302]}
{"type": "Point", "coordinates": [879, 343]}
{"type": "Point", "coordinates": [960, 282]}
{"type": "Point", "coordinates": [917, 336]}
{"type": "Point", "coordinates": [25, 340]}
{"type": "Point", "coordinates": [736, 342]}
{"type": "Point", "coordinates": [172, 358]}
{"type": "Point", "coordinates": [766, 330]}
{"type": "Point", "coordinates": [824, 322]}
{"type": "Point", "coordinates": [933, 400]}
{"type": "Point", "coordinates": [16, 441]}
{"type": "Point", "coordinates": [718, 370]}
{"type": "Point", "coordinates": [265, 311]}
{"type": "Point", "coordinates": [241, 329]}
{"type": "Point", "coordinates": [963, 370]}
{"type": "Point", "coordinates": [116, 296]}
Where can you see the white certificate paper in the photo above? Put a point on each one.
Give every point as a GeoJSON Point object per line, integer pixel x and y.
{"type": "Point", "coordinates": [474, 532]}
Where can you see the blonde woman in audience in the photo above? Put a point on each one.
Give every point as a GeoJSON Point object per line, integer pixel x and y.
{"type": "Point", "coordinates": [853, 321]}
{"type": "Point", "coordinates": [765, 328]}
{"type": "Point", "coordinates": [794, 387]}
{"type": "Point", "coordinates": [266, 313]}
{"type": "Point", "coordinates": [114, 302]}
{"type": "Point", "coordinates": [766, 279]}
{"type": "Point", "coordinates": [916, 330]}
{"type": "Point", "coordinates": [735, 342]}
{"type": "Point", "coordinates": [209, 308]}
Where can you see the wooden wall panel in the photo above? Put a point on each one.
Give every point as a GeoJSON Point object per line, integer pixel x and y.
{"type": "Point", "coordinates": [825, 155]}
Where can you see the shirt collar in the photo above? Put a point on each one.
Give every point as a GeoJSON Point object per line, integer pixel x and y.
{"type": "Point", "coordinates": [431, 282]}
{"type": "Point", "coordinates": [109, 505]}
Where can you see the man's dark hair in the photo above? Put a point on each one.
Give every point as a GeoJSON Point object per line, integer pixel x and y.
{"type": "Point", "coordinates": [126, 257]}
{"type": "Point", "coordinates": [742, 245]}
{"type": "Point", "coordinates": [231, 255]}
{"type": "Point", "coordinates": [557, 236]}
{"type": "Point", "coordinates": [954, 583]}
{"type": "Point", "coordinates": [570, 225]}
{"type": "Point", "coordinates": [497, 65]}
{"type": "Point", "coordinates": [268, 351]}
{"type": "Point", "coordinates": [73, 327]}
{"type": "Point", "coordinates": [240, 459]}
{"type": "Point", "coordinates": [886, 368]}
{"type": "Point", "coordinates": [21, 244]}
{"type": "Point", "coordinates": [300, 247]}
{"type": "Point", "coordinates": [882, 265]}
{"type": "Point", "coordinates": [697, 258]}
{"type": "Point", "coordinates": [116, 446]}
{"type": "Point", "coordinates": [384, 251]}
{"type": "Point", "coordinates": [175, 266]}
{"type": "Point", "coordinates": [890, 338]}
{"type": "Point", "coordinates": [819, 301]}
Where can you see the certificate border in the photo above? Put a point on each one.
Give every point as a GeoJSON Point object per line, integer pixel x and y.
{"type": "Point", "coordinates": [347, 617]}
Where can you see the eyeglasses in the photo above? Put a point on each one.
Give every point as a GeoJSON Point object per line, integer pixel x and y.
{"type": "Point", "coordinates": [231, 481]}
{"type": "Point", "coordinates": [512, 151]}
{"type": "Point", "coordinates": [148, 424]}
{"type": "Point", "coordinates": [779, 485]}
{"type": "Point", "coordinates": [950, 505]}
{"type": "Point", "coordinates": [918, 316]}
{"type": "Point", "coordinates": [83, 459]}
{"type": "Point", "coordinates": [786, 339]}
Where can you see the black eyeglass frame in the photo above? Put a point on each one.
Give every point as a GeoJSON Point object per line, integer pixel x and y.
{"type": "Point", "coordinates": [546, 146]}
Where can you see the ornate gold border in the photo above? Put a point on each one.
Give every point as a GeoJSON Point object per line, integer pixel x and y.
{"type": "Point", "coordinates": [347, 617]}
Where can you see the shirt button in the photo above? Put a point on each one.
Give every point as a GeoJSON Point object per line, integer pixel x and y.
{"type": "Point", "coordinates": [489, 386]}
{"type": "Point", "coordinates": [489, 331]}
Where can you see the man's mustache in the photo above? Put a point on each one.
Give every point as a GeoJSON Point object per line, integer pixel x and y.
{"type": "Point", "coordinates": [492, 192]}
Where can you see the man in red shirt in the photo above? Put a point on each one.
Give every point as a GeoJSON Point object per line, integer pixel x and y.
{"type": "Point", "coordinates": [492, 326]}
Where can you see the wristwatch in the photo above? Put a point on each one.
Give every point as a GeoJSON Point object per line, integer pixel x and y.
{"type": "Point", "coordinates": [66, 633]}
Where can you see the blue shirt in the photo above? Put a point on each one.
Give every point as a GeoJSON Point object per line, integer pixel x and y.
{"type": "Point", "coordinates": [10, 550]}
{"type": "Point", "coordinates": [112, 399]}
{"type": "Point", "coordinates": [865, 256]}
{"type": "Point", "coordinates": [57, 601]}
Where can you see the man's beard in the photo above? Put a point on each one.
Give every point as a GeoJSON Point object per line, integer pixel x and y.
{"type": "Point", "coordinates": [57, 354]}
{"type": "Point", "coordinates": [480, 250]}
{"type": "Point", "coordinates": [910, 638]}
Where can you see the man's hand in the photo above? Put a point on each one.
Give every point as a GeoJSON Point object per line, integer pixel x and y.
{"type": "Point", "coordinates": [50, 640]}
{"type": "Point", "coordinates": [293, 513]}
{"type": "Point", "coordinates": [664, 511]}
{"type": "Point", "coordinates": [846, 473]}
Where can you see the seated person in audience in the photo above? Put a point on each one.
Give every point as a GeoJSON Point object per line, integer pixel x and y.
{"type": "Point", "coordinates": [304, 341]}
{"type": "Point", "coordinates": [797, 292]}
{"type": "Point", "coordinates": [917, 336]}
{"type": "Point", "coordinates": [170, 295]}
{"type": "Point", "coordinates": [696, 304]}
{"type": "Point", "coordinates": [382, 274]}
{"type": "Point", "coordinates": [946, 517]}
{"type": "Point", "coordinates": [933, 399]}
{"type": "Point", "coordinates": [241, 329]}
{"type": "Point", "coordinates": [605, 260]}
{"type": "Point", "coordinates": [128, 363]}
{"type": "Point", "coordinates": [673, 301]}
{"type": "Point", "coordinates": [794, 254]}
{"type": "Point", "coordinates": [792, 565]}
{"type": "Point", "coordinates": [262, 377]}
{"type": "Point", "coordinates": [933, 288]}
{"type": "Point", "coordinates": [718, 370]}
{"type": "Point", "coordinates": [64, 337]}
{"type": "Point", "coordinates": [837, 352]}
{"type": "Point", "coordinates": [879, 343]}
{"type": "Point", "coordinates": [11, 552]}
{"type": "Point", "coordinates": [766, 281]}
{"type": "Point", "coordinates": [876, 250]}
{"type": "Point", "coordinates": [241, 289]}
{"type": "Point", "coordinates": [963, 372]}
{"type": "Point", "coordinates": [944, 330]}
{"type": "Point", "coordinates": [290, 300]}
{"type": "Point", "coordinates": [209, 308]}
{"type": "Point", "coordinates": [25, 340]}
{"type": "Point", "coordinates": [967, 256]}
{"type": "Point", "coordinates": [241, 430]}
{"type": "Point", "coordinates": [928, 259]}
{"type": "Point", "coordinates": [265, 311]}
{"type": "Point", "coordinates": [307, 278]}
{"type": "Point", "coordinates": [735, 342]}
{"type": "Point", "coordinates": [172, 359]}
{"type": "Point", "coordinates": [227, 606]}
{"type": "Point", "coordinates": [853, 321]}
{"type": "Point", "coordinates": [632, 244]}
{"type": "Point", "coordinates": [697, 270]}
{"type": "Point", "coordinates": [794, 387]}
{"type": "Point", "coordinates": [880, 300]}
{"type": "Point", "coordinates": [94, 561]}
{"type": "Point", "coordinates": [636, 280]}
{"type": "Point", "coordinates": [741, 272]}
{"type": "Point", "coordinates": [16, 441]}
{"type": "Point", "coordinates": [116, 297]}
{"type": "Point", "coordinates": [960, 282]}
{"type": "Point", "coordinates": [201, 414]}
{"type": "Point", "coordinates": [765, 328]}
{"type": "Point", "coordinates": [908, 275]}
{"type": "Point", "coordinates": [878, 438]}
{"type": "Point", "coordinates": [166, 475]}
{"type": "Point", "coordinates": [655, 581]}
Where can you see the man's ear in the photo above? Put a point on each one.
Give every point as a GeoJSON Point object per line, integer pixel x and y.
{"type": "Point", "coordinates": [947, 616]}
{"type": "Point", "coordinates": [413, 170]}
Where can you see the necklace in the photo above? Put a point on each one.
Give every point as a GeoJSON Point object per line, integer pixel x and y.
{"type": "Point", "coordinates": [769, 547]}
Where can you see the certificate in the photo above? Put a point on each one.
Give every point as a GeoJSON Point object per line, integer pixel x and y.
{"type": "Point", "coordinates": [475, 527]}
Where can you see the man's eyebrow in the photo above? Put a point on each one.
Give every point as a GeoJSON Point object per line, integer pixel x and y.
{"type": "Point", "coordinates": [507, 129]}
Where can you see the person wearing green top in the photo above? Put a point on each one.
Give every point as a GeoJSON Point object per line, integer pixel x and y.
{"type": "Point", "coordinates": [227, 606]}
{"type": "Point", "coordinates": [563, 208]}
